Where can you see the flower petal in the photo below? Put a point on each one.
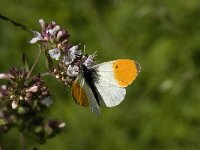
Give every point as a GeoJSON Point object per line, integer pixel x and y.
{"type": "Point", "coordinates": [47, 101]}
{"type": "Point", "coordinates": [67, 60]}
{"type": "Point", "coordinates": [72, 53]}
{"type": "Point", "coordinates": [72, 70]}
{"type": "Point", "coordinates": [74, 50]}
{"type": "Point", "coordinates": [89, 62]}
{"type": "Point", "coordinates": [54, 53]}
{"type": "Point", "coordinates": [37, 38]}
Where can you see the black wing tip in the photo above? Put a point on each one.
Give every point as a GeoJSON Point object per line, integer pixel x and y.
{"type": "Point", "coordinates": [138, 67]}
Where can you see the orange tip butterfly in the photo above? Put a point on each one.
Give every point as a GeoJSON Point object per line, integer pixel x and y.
{"type": "Point", "coordinates": [105, 83]}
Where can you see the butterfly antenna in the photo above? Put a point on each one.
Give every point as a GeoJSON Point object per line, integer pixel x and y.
{"type": "Point", "coordinates": [95, 54]}
{"type": "Point", "coordinates": [23, 27]}
{"type": "Point", "coordinates": [84, 49]}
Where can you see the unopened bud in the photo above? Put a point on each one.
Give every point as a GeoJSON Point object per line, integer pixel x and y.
{"type": "Point", "coordinates": [56, 29]}
{"type": "Point", "coordinates": [53, 22]}
{"type": "Point", "coordinates": [57, 76]}
{"type": "Point", "coordinates": [42, 23]}
{"type": "Point", "coordinates": [4, 87]}
{"type": "Point", "coordinates": [54, 70]}
{"type": "Point", "coordinates": [28, 95]}
{"type": "Point", "coordinates": [44, 93]}
{"type": "Point", "coordinates": [20, 98]}
{"type": "Point", "coordinates": [14, 104]}
{"type": "Point", "coordinates": [59, 46]}
{"type": "Point", "coordinates": [5, 76]}
{"type": "Point", "coordinates": [65, 41]}
{"type": "Point", "coordinates": [32, 89]}
{"type": "Point", "coordinates": [61, 125]}
{"type": "Point", "coordinates": [59, 35]}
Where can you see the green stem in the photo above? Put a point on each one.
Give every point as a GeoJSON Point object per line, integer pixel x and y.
{"type": "Point", "coordinates": [36, 60]}
{"type": "Point", "coordinates": [45, 74]}
{"type": "Point", "coordinates": [2, 104]}
{"type": "Point", "coordinates": [22, 141]}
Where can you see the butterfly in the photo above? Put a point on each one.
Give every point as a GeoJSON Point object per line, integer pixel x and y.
{"type": "Point", "coordinates": [105, 82]}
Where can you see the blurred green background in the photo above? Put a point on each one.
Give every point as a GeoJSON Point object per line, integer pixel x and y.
{"type": "Point", "coordinates": [162, 108]}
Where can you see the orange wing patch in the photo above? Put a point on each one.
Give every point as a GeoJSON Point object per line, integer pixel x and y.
{"type": "Point", "coordinates": [125, 71]}
{"type": "Point", "coordinates": [79, 94]}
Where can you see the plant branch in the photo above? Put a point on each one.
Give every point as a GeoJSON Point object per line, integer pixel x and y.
{"type": "Point", "coordinates": [45, 74]}
{"type": "Point", "coordinates": [36, 60]}
{"type": "Point", "coordinates": [23, 27]}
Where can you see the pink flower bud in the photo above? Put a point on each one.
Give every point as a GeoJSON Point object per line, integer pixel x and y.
{"type": "Point", "coordinates": [5, 76]}
{"type": "Point", "coordinates": [42, 23]}
{"type": "Point", "coordinates": [59, 35]}
{"type": "Point", "coordinates": [56, 29]}
{"type": "Point", "coordinates": [32, 89]}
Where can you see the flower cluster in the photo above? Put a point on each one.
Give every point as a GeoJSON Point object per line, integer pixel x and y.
{"type": "Point", "coordinates": [3, 91]}
{"type": "Point", "coordinates": [48, 129]}
{"type": "Point", "coordinates": [70, 58]}
{"type": "Point", "coordinates": [20, 89]}
{"type": "Point", "coordinates": [51, 35]}
{"type": "Point", "coordinates": [24, 99]}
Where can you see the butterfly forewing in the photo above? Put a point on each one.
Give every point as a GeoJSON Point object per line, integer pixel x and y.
{"type": "Point", "coordinates": [120, 72]}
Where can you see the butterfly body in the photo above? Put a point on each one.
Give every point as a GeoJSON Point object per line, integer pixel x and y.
{"type": "Point", "coordinates": [91, 77]}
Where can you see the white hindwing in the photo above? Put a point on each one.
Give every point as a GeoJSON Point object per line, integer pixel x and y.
{"type": "Point", "coordinates": [111, 94]}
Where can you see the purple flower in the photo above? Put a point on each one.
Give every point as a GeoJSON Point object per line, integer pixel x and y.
{"type": "Point", "coordinates": [89, 62]}
{"type": "Point", "coordinates": [53, 31]}
{"type": "Point", "coordinates": [55, 53]}
{"type": "Point", "coordinates": [72, 53]}
{"type": "Point", "coordinates": [72, 70]}
{"type": "Point", "coordinates": [47, 101]}
{"type": "Point", "coordinates": [37, 38]}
